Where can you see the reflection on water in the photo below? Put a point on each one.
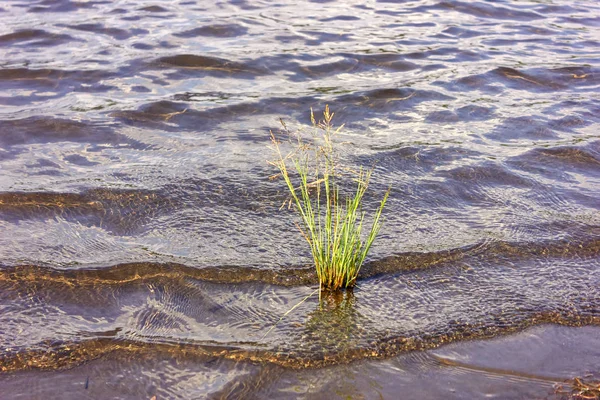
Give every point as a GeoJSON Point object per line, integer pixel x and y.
{"type": "Point", "coordinates": [333, 326]}
{"type": "Point", "coordinates": [141, 237]}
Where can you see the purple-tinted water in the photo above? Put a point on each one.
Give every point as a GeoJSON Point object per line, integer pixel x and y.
{"type": "Point", "coordinates": [142, 251]}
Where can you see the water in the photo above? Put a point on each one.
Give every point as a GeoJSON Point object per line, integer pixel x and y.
{"type": "Point", "coordinates": [142, 249]}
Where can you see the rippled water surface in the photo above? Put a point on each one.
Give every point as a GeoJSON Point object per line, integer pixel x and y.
{"type": "Point", "coordinates": [142, 249]}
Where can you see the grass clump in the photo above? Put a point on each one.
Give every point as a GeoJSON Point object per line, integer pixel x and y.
{"type": "Point", "coordinates": [333, 226]}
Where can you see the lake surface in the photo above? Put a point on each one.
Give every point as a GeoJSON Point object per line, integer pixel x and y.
{"type": "Point", "coordinates": [142, 249]}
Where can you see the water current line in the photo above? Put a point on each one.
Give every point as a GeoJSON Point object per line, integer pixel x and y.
{"type": "Point", "coordinates": [290, 310]}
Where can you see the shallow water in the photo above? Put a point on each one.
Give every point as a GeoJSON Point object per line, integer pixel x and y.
{"type": "Point", "coordinates": [142, 248]}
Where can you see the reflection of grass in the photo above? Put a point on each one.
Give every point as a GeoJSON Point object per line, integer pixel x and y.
{"type": "Point", "coordinates": [332, 326]}
{"type": "Point", "coordinates": [331, 226]}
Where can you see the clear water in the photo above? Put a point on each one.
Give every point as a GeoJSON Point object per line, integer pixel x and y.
{"type": "Point", "coordinates": [142, 249]}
